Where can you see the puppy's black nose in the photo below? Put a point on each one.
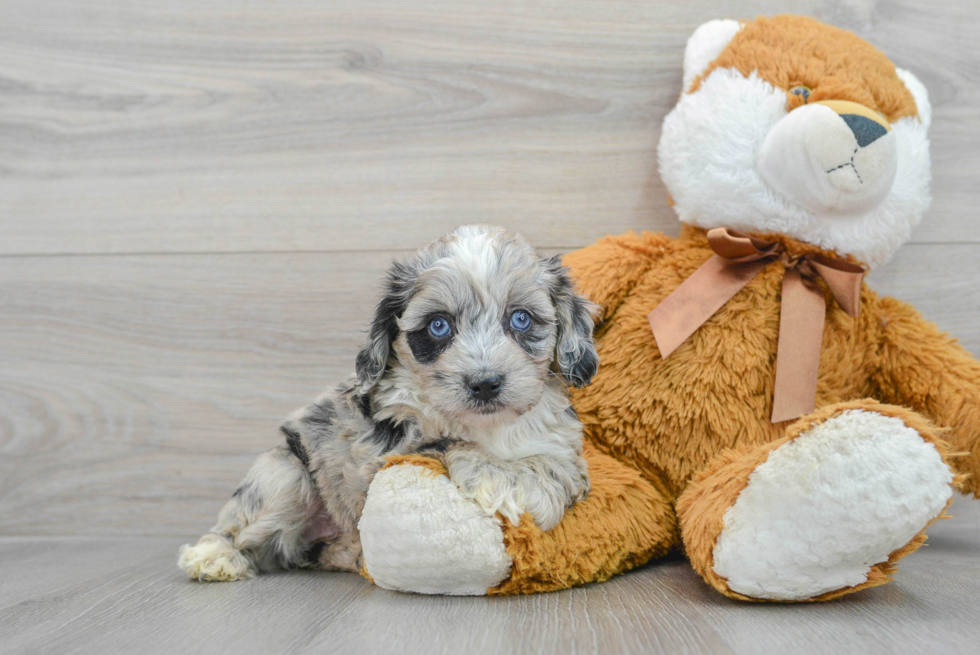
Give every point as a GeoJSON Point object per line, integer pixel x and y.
{"type": "Point", "coordinates": [487, 388]}
{"type": "Point", "coordinates": [865, 130]}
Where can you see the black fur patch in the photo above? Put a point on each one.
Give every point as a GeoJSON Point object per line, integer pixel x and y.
{"type": "Point", "coordinates": [248, 496]}
{"type": "Point", "coordinates": [372, 361]}
{"type": "Point", "coordinates": [581, 372]}
{"type": "Point", "coordinates": [438, 446]}
{"type": "Point", "coordinates": [531, 340]}
{"type": "Point", "coordinates": [312, 554]}
{"type": "Point", "coordinates": [388, 434]}
{"type": "Point", "coordinates": [295, 444]}
{"type": "Point", "coordinates": [323, 414]}
{"type": "Point", "coordinates": [363, 403]}
{"type": "Point", "coordinates": [571, 412]}
{"type": "Point", "coordinates": [575, 326]}
{"type": "Point", "coordinates": [425, 347]}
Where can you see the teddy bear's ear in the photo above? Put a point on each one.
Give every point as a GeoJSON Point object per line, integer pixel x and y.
{"type": "Point", "coordinates": [705, 45]}
{"type": "Point", "coordinates": [920, 94]}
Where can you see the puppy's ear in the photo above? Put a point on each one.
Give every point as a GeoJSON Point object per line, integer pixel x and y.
{"type": "Point", "coordinates": [372, 361]}
{"type": "Point", "coordinates": [575, 353]}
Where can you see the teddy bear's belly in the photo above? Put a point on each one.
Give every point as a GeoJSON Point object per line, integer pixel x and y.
{"type": "Point", "coordinates": [671, 417]}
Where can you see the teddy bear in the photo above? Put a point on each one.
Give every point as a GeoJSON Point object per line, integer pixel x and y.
{"type": "Point", "coordinates": [757, 406]}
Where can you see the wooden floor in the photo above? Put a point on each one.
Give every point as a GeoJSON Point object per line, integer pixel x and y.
{"type": "Point", "coordinates": [124, 595]}
{"type": "Point", "coordinates": [197, 200]}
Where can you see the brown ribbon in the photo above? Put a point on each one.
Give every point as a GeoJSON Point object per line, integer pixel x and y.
{"type": "Point", "coordinates": [738, 258]}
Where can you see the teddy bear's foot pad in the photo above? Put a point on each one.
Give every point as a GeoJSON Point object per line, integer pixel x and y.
{"type": "Point", "coordinates": [826, 507]}
{"type": "Point", "coordinates": [420, 534]}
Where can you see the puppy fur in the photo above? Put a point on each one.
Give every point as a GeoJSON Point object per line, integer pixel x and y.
{"type": "Point", "coordinates": [417, 390]}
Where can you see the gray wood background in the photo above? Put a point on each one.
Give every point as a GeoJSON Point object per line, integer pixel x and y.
{"type": "Point", "coordinates": [197, 200]}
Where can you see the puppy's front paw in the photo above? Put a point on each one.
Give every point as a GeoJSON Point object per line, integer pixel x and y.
{"type": "Point", "coordinates": [494, 490]}
{"type": "Point", "coordinates": [514, 492]}
{"type": "Point", "coordinates": [537, 485]}
{"type": "Point", "coordinates": [544, 498]}
{"type": "Point", "coordinates": [214, 559]}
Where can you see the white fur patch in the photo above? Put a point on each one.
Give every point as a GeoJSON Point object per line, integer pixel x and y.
{"type": "Point", "coordinates": [214, 559]}
{"type": "Point", "coordinates": [827, 506]}
{"type": "Point", "coordinates": [705, 44]}
{"type": "Point", "coordinates": [420, 535]}
{"type": "Point", "coordinates": [708, 155]}
{"type": "Point", "coordinates": [919, 93]}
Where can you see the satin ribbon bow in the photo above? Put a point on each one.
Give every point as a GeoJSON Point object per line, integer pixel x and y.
{"type": "Point", "coordinates": [738, 258]}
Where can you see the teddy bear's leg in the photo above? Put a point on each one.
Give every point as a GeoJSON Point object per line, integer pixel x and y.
{"type": "Point", "coordinates": [825, 511]}
{"type": "Point", "coordinates": [420, 534]}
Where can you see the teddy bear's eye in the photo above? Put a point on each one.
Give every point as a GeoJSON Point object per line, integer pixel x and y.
{"type": "Point", "coordinates": [801, 91]}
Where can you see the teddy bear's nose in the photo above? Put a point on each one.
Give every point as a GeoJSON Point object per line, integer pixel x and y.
{"type": "Point", "coordinates": [865, 130]}
{"type": "Point", "coordinates": [865, 124]}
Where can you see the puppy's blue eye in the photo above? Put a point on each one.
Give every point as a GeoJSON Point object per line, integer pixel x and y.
{"type": "Point", "coordinates": [439, 328]}
{"type": "Point", "coordinates": [520, 320]}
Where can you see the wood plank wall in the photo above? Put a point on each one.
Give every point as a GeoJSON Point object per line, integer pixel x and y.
{"type": "Point", "coordinates": [197, 201]}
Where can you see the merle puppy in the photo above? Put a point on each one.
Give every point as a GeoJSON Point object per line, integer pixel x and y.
{"type": "Point", "coordinates": [468, 359]}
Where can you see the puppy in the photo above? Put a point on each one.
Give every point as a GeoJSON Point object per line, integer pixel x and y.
{"type": "Point", "coordinates": [468, 358]}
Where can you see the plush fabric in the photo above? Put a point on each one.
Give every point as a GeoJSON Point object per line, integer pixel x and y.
{"type": "Point", "coordinates": [671, 417]}
{"type": "Point", "coordinates": [707, 504]}
{"type": "Point", "coordinates": [787, 51]}
{"type": "Point", "coordinates": [625, 521]}
{"type": "Point", "coordinates": [681, 450]}
{"type": "Point", "coordinates": [715, 143]}
{"type": "Point", "coordinates": [418, 534]}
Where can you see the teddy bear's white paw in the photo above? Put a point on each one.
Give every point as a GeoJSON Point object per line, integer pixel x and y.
{"type": "Point", "coordinates": [827, 506]}
{"type": "Point", "coordinates": [214, 559]}
{"type": "Point", "coordinates": [420, 534]}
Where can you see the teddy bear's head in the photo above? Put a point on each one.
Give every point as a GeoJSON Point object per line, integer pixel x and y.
{"type": "Point", "coordinates": [787, 125]}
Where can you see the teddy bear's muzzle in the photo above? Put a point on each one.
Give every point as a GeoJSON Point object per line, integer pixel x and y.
{"type": "Point", "coordinates": [835, 158]}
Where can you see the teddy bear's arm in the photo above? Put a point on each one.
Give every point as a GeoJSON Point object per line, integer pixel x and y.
{"type": "Point", "coordinates": [420, 534]}
{"type": "Point", "coordinates": [606, 271]}
{"type": "Point", "coordinates": [922, 368]}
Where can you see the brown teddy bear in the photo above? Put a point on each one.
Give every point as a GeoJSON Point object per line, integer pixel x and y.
{"type": "Point", "coordinates": [739, 412]}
